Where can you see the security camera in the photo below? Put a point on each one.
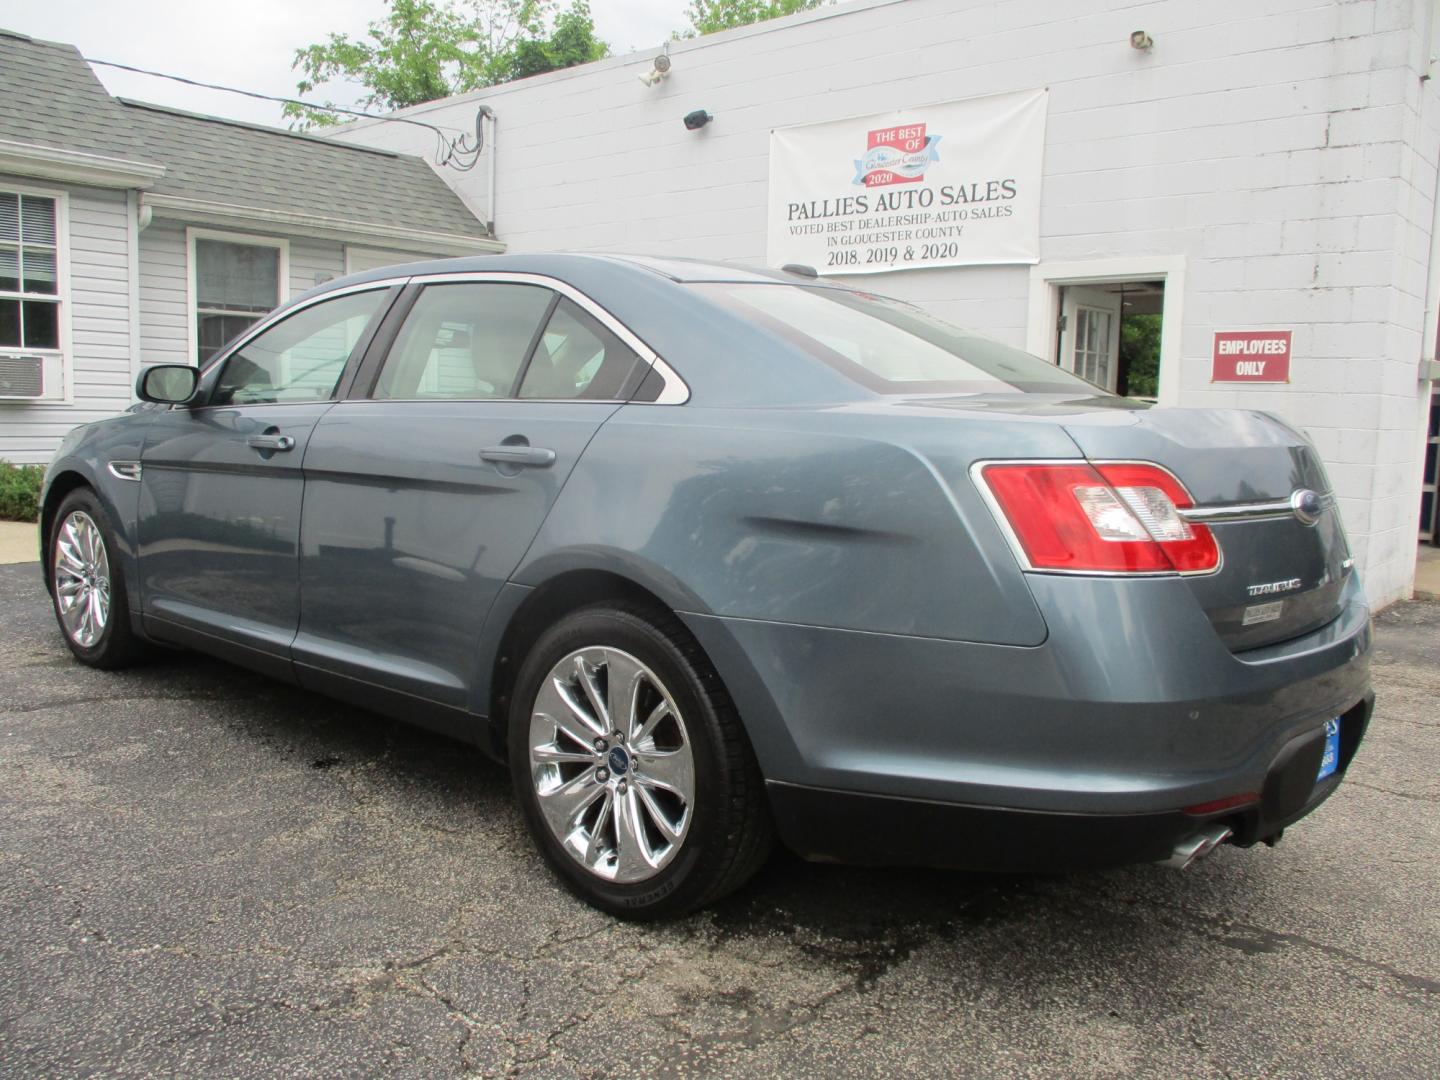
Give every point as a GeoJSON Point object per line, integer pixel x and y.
{"type": "Point", "coordinates": [658, 70]}
{"type": "Point", "coordinates": [696, 120]}
{"type": "Point", "coordinates": [1139, 39]}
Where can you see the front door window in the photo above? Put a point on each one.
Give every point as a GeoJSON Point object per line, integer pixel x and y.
{"type": "Point", "coordinates": [300, 358]}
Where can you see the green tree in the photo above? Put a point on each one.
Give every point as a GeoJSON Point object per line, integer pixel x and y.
{"type": "Point", "coordinates": [428, 49]}
{"type": "Point", "coordinates": [708, 16]}
{"type": "Point", "coordinates": [1140, 355]}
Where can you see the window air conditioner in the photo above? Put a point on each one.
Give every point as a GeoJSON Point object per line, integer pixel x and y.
{"type": "Point", "coordinates": [21, 377]}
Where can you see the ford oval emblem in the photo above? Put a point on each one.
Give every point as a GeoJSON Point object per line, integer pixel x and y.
{"type": "Point", "coordinates": [1307, 506]}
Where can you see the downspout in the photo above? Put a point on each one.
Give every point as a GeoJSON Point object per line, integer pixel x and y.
{"type": "Point", "coordinates": [135, 221]}
{"type": "Point", "coordinates": [487, 113]}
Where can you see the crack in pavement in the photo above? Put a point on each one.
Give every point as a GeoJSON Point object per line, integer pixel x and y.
{"type": "Point", "coordinates": [1257, 940]}
{"type": "Point", "coordinates": [1390, 791]}
{"type": "Point", "coordinates": [106, 699]}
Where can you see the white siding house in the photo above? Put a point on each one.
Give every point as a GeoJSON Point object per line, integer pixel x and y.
{"type": "Point", "coordinates": [94, 316]}
{"type": "Point", "coordinates": [119, 221]}
{"type": "Point", "coordinates": [1263, 164]}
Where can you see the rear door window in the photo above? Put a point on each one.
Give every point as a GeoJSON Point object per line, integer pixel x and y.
{"type": "Point", "coordinates": [464, 340]}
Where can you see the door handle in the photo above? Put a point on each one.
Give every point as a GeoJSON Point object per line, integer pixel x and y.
{"type": "Point", "coordinates": [270, 442]}
{"type": "Point", "coordinates": [518, 454]}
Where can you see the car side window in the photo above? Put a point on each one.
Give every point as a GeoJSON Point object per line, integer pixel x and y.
{"type": "Point", "coordinates": [578, 357]}
{"type": "Point", "coordinates": [301, 357]}
{"type": "Point", "coordinates": [464, 340]}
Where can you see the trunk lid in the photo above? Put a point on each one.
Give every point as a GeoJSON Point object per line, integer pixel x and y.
{"type": "Point", "coordinates": [1279, 577]}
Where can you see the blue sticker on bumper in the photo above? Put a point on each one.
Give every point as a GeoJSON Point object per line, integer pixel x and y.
{"type": "Point", "coordinates": [1330, 760]}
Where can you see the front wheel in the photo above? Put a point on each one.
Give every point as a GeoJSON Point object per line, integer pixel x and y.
{"type": "Point", "coordinates": [632, 769]}
{"type": "Point", "coordinates": [86, 586]}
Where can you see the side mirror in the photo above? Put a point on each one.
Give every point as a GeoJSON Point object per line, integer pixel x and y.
{"type": "Point", "coordinates": [168, 384]}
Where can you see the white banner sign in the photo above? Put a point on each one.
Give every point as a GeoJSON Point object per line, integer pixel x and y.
{"type": "Point", "coordinates": [941, 185]}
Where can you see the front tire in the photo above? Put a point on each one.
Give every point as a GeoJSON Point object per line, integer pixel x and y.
{"type": "Point", "coordinates": [87, 587]}
{"type": "Point", "coordinates": [631, 767]}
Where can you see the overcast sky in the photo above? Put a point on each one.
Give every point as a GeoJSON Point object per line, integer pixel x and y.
{"type": "Point", "coordinates": [250, 43]}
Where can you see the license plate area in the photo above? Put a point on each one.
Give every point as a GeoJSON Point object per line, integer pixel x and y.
{"type": "Point", "coordinates": [1330, 758]}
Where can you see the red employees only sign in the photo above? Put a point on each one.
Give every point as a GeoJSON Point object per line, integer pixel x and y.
{"type": "Point", "coordinates": [1251, 356]}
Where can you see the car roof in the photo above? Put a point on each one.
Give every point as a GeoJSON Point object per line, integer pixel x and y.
{"type": "Point", "coordinates": [677, 269]}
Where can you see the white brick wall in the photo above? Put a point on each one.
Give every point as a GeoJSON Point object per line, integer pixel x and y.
{"type": "Point", "coordinates": [1285, 148]}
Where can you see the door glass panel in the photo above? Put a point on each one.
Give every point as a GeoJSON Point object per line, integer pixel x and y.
{"type": "Point", "coordinates": [300, 358]}
{"type": "Point", "coordinates": [464, 340]}
{"type": "Point", "coordinates": [578, 357]}
{"type": "Point", "coordinates": [1093, 328]}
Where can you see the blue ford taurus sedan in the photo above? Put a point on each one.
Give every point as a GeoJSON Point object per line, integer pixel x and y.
{"type": "Point", "coordinates": [711, 556]}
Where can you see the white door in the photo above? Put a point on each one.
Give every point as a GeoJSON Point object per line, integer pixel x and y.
{"type": "Point", "coordinates": [1090, 338]}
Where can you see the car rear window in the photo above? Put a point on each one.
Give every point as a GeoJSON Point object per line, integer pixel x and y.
{"type": "Point", "coordinates": [889, 346]}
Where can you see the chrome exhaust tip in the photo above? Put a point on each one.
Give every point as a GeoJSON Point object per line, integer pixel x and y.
{"type": "Point", "coordinates": [1198, 846]}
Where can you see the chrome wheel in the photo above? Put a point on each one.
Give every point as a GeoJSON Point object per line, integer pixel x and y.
{"type": "Point", "coordinates": [82, 579]}
{"type": "Point", "coordinates": [611, 764]}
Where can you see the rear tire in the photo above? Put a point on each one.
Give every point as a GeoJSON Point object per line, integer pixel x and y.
{"type": "Point", "coordinates": [632, 769]}
{"type": "Point", "coordinates": [87, 587]}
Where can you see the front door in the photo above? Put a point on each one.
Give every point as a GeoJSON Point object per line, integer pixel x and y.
{"type": "Point", "coordinates": [1090, 335]}
{"type": "Point", "coordinates": [221, 484]}
{"type": "Point", "coordinates": [423, 495]}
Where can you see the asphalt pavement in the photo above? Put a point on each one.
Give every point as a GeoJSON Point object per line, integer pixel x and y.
{"type": "Point", "coordinates": [206, 873]}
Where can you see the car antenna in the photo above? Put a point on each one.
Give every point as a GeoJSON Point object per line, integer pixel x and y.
{"type": "Point", "coordinates": [801, 269]}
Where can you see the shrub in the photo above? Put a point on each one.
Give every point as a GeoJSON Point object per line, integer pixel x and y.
{"type": "Point", "coordinates": [20, 491]}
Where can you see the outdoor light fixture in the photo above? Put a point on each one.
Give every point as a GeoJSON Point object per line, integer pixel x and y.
{"type": "Point", "coordinates": [1139, 39]}
{"type": "Point", "coordinates": [658, 70]}
{"type": "Point", "coordinates": [696, 120]}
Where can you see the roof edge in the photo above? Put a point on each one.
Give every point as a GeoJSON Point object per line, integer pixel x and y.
{"type": "Point", "coordinates": [200, 211]}
{"type": "Point", "coordinates": [77, 166]}
{"type": "Point", "coordinates": [150, 106]}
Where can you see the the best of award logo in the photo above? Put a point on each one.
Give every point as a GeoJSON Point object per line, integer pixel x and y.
{"type": "Point", "coordinates": [896, 155]}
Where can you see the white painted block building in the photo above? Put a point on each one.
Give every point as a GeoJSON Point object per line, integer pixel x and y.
{"type": "Point", "coordinates": [1264, 165]}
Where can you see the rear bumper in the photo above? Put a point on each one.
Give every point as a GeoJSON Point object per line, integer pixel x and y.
{"type": "Point", "coordinates": [1131, 708]}
{"type": "Point", "coordinates": [876, 830]}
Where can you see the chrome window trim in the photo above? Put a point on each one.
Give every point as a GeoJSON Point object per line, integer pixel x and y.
{"type": "Point", "coordinates": [1018, 549]}
{"type": "Point", "coordinates": [675, 392]}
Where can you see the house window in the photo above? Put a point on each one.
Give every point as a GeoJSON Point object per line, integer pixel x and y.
{"type": "Point", "coordinates": [236, 284]}
{"type": "Point", "coordinates": [29, 272]}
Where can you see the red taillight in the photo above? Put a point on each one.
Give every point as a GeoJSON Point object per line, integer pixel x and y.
{"type": "Point", "coordinates": [1116, 518]}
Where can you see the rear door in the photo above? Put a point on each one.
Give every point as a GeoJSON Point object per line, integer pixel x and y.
{"type": "Point", "coordinates": [424, 491]}
{"type": "Point", "coordinates": [221, 483]}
